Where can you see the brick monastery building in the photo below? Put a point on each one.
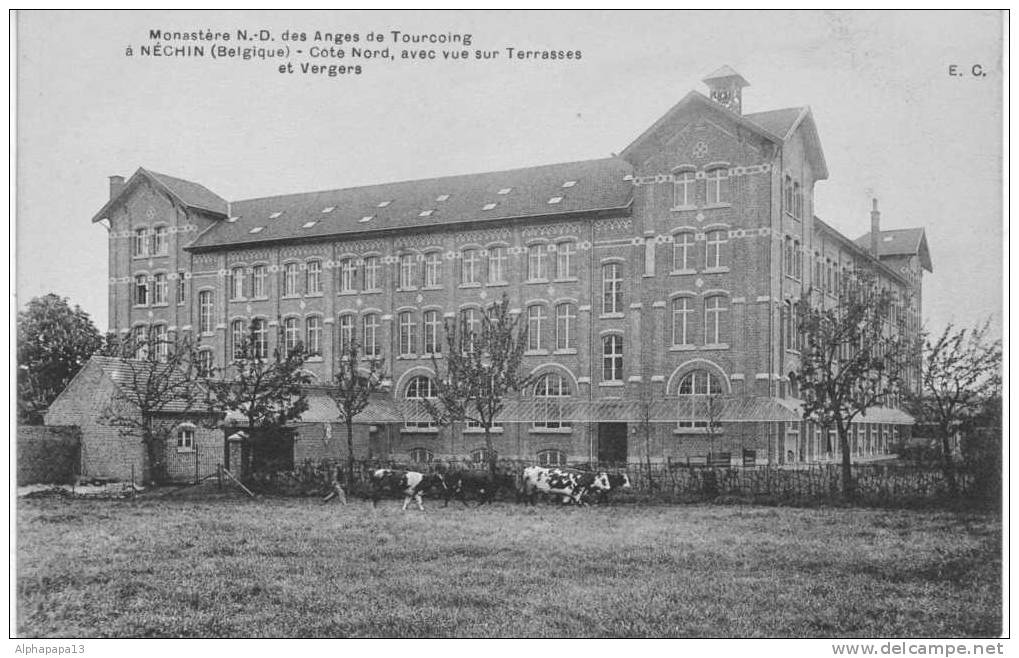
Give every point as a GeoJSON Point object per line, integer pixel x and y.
{"type": "Point", "coordinates": [666, 273]}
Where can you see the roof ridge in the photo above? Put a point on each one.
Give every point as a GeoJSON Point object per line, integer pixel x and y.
{"type": "Point", "coordinates": [433, 178]}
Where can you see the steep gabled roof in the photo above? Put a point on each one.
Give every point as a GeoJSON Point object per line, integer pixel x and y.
{"type": "Point", "coordinates": [780, 122]}
{"type": "Point", "coordinates": [187, 193]}
{"type": "Point", "coordinates": [586, 186]}
{"type": "Point", "coordinates": [128, 373]}
{"type": "Point", "coordinates": [901, 242]}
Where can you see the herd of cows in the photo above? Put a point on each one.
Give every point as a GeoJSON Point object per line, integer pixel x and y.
{"type": "Point", "coordinates": [566, 484]}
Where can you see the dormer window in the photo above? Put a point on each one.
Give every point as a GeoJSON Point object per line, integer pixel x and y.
{"type": "Point", "coordinates": [309, 224]}
{"type": "Point", "coordinates": [554, 200]}
{"type": "Point", "coordinates": [366, 218]}
{"type": "Point", "coordinates": [257, 229]}
{"type": "Point", "coordinates": [569, 183]}
{"type": "Point", "coordinates": [383, 204]}
{"type": "Point", "coordinates": [442, 197]}
{"type": "Point", "coordinates": [488, 206]}
{"type": "Point", "coordinates": [275, 215]}
{"type": "Point", "coordinates": [328, 210]}
{"type": "Point", "coordinates": [425, 213]}
{"type": "Point", "coordinates": [506, 190]}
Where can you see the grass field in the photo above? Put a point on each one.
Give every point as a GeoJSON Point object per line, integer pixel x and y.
{"type": "Point", "coordinates": [230, 567]}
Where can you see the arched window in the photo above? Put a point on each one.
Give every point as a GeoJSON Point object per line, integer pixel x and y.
{"type": "Point", "coordinates": [159, 289]}
{"type": "Point", "coordinates": [551, 458]}
{"type": "Point", "coordinates": [259, 274]}
{"type": "Point", "coordinates": [550, 391]}
{"type": "Point", "coordinates": [699, 390]}
{"type": "Point", "coordinates": [433, 270]}
{"type": "Point", "coordinates": [408, 334]}
{"type": "Point", "coordinates": [714, 249]}
{"type": "Point", "coordinates": [408, 272]}
{"type": "Point", "coordinates": [536, 270]}
{"type": "Point", "coordinates": [497, 260]}
{"type": "Point", "coordinates": [141, 290]}
{"type": "Point", "coordinates": [470, 267]}
{"type": "Point", "coordinates": [421, 456]}
{"type": "Point", "coordinates": [161, 340]}
{"type": "Point", "coordinates": [371, 273]}
{"type": "Point", "coordinates": [682, 326]}
{"type": "Point", "coordinates": [794, 385]}
{"type": "Point", "coordinates": [612, 358]}
{"type": "Point", "coordinates": [141, 242]}
{"type": "Point", "coordinates": [420, 388]}
{"type": "Point", "coordinates": [160, 246]}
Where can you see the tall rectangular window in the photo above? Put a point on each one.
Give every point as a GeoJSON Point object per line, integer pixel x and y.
{"type": "Point", "coordinates": [408, 333]}
{"type": "Point", "coordinates": [497, 265]}
{"type": "Point", "coordinates": [160, 246]}
{"type": "Point", "coordinates": [346, 324]}
{"type": "Point", "coordinates": [433, 333]}
{"type": "Point", "coordinates": [612, 358]}
{"type": "Point", "coordinates": [566, 327]}
{"type": "Point", "coordinates": [469, 265]}
{"type": "Point", "coordinates": [160, 290]}
{"type": "Point", "coordinates": [205, 312]}
{"type": "Point", "coordinates": [408, 271]}
{"type": "Point", "coordinates": [140, 342]}
{"type": "Point", "coordinates": [141, 242]}
{"type": "Point", "coordinates": [141, 290]}
{"type": "Point", "coordinates": [181, 289]}
{"type": "Point", "coordinates": [371, 272]}
{"type": "Point", "coordinates": [682, 251]}
{"type": "Point", "coordinates": [313, 335]}
{"type": "Point", "coordinates": [371, 334]}
{"type": "Point", "coordinates": [291, 333]}
{"type": "Point", "coordinates": [718, 186]}
{"type": "Point", "coordinates": [433, 269]}
{"type": "Point", "coordinates": [683, 191]}
{"type": "Point", "coordinates": [260, 338]}
{"type": "Point", "coordinates": [681, 314]}
{"type": "Point", "coordinates": [565, 260]}
{"type": "Point", "coordinates": [206, 363]}
{"type": "Point", "coordinates": [649, 256]}
{"type": "Point", "coordinates": [162, 342]}
{"type": "Point", "coordinates": [238, 334]}
{"type": "Point", "coordinates": [347, 275]}
{"type": "Point", "coordinates": [536, 318]}
{"type": "Point", "coordinates": [258, 279]}
{"type": "Point", "coordinates": [237, 283]}
{"type": "Point", "coordinates": [291, 280]}
{"type": "Point", "coordinates": [612, 288]}
{"type": "Point", "coordinates": [313, 277]}
{"type": "Point", "coordinates": [714, 248]}
{"type": "Point", "coordinates": [536, 263]}
{"type": "Point", "coordinates": [714, 308]}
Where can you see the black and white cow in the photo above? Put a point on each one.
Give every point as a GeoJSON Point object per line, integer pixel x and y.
{"type": "Point", "coordinates": [410, 484]}
{"type": "Point", "coordinates": [616, 481]}
{"type": "Point", "coordinates": [476, 483]}
{"type": "Point", "coordinates": [566, 482]}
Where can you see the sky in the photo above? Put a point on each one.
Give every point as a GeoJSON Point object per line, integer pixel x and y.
{"type": "Point", "coordinates": [894, 124]}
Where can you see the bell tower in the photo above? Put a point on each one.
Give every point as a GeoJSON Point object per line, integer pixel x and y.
{"type": "Point", "coordinates": [726, 88]}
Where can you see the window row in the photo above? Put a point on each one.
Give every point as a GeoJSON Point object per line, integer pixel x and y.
{"type": "Point", "coordinates": [686, 255]}
{"type": "Point", "coordinates": [154, 290]}
{"type": "Point", "coordinates": [713, 188]}
{"type": "Point", "coordinates": [150, 243]}
{"type": "Point", "coordinates": [685, 323]}
{"type": "Point", "coordinates": [481, 456]}
{"type": "Point", "coordinates": [558, 331]}
{"type": "Point", "coordinates": [155, 340]}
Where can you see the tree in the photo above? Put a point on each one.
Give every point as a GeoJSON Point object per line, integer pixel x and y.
{"type": "Point", "coordinates": [54, 342]}
{"type": "Point", "coordinates": [159, 387]}
{"type": "Point", "coordinates": [482, 367]}
{"type": "Point", "coordinates": [352, 390]}
{"type": "Point", "coordinates": [268, 390]}
{"type": "Point", "coordinates": [853, 357]}
{"type": "Point", "coordinates": [959, 385]}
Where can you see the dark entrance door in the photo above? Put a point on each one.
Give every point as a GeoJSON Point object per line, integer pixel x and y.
{"type": "Point", "coordinates": [612, 442]}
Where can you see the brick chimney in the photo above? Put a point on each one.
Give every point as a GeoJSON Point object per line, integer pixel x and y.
{"type": "Point", "coordinates": [116, 185]}
{"type": "Point", "coordinates": [875, 229]}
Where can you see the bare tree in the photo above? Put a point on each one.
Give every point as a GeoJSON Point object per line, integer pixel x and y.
{"type": "Point", "coordinates": [160, 386]}
{"type": "Point", "coordinates": [352, 390]}
{"type": "Point", "coordinates": [854, 355]}
{"type": "Point", "coordinates": [266, 388]}
{"type": "Point", "coordinates": [481, 368]}
{"type": "Point", "coordinates": [961, 372]}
